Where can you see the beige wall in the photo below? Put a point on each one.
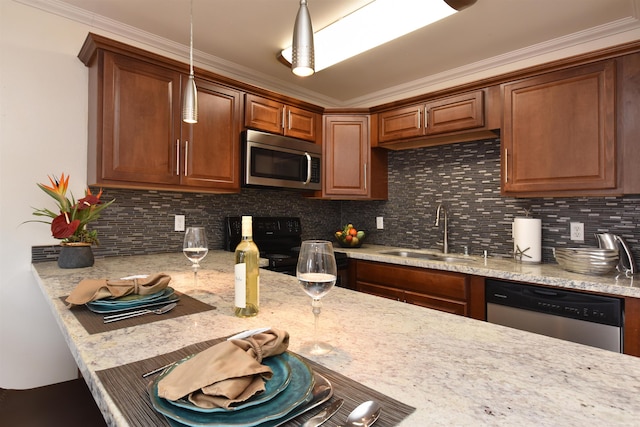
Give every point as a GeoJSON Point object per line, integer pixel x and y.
{"type": "Point", "coordinates": [43, 122]}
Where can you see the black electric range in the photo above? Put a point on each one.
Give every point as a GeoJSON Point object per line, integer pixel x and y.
{"type": "Point", "coordinates": [277, 238]}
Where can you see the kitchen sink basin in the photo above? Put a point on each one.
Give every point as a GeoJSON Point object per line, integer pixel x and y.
{"type": "Point", "coordinates": [429, 256]}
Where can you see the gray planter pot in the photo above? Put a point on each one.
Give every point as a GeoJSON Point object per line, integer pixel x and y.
{"type": "Point", "coordinates": [72, 256]}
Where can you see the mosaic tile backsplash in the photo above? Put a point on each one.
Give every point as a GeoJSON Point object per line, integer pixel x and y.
{"type": "Point", "coordinates": [464, 177]}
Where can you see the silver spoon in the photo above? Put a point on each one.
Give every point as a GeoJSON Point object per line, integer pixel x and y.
{"type": "Point", "coordinates": [161, 310]}
{"type": "Point", "coordinates": [364, 415]}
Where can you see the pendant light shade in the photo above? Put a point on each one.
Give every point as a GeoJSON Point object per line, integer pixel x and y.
{"type": "Point", "coordinates": [303, 61]}
{"type": "Point", "coordinates": [190, 101]}
{"type": "Point", "coordinates": [190, 97]}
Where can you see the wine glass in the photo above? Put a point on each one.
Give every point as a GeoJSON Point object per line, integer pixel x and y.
{"type": "Point", "coordinates": [195, 247]}
{"type": "Point", "coordinates": [316, 272]}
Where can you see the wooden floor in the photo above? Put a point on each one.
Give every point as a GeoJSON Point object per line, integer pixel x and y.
{"type": "Point", "coordinates": [66, 404]}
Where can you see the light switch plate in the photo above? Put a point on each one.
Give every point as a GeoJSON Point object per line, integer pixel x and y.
{"type": "Point", "coordinates": [178, 224]}
{"type": "Point", "coordinates": [379, 222]}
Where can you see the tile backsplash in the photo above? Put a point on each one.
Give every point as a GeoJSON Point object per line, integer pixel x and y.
{"type": "Point", "coordinates": [465, 177]}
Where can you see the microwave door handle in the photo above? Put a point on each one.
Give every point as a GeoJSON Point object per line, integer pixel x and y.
{"type": "Point", "coordinates": [308, 168]}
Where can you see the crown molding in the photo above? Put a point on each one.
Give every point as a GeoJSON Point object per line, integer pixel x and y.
{"type": "Point", "coordinates": [579, 42]}
{"type": "Point", "coordinates": [588, 40]}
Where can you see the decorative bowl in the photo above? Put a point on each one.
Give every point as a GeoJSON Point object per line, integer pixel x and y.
{"type": "Point", "coordinates": [350, 237]}
{"type": "Point", "coordinates": [593, 261]}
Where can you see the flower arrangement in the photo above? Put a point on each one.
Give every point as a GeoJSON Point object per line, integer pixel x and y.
{"type": "Point", "coordinates": [70, 222]}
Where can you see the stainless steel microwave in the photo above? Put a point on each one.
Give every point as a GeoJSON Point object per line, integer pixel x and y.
{"type": "Point", "coordinates": [279, 161]}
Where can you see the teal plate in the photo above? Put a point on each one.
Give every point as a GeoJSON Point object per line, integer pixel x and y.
{"type": "Point", "coordinates": [322, 392]}
{"type": "Point", "coordinates": [133, 299]}
{"type": "Point", "coordinates": [154, 303]}
{"type": "Point", "coordinates": [278, 382]}
{"type": "Point", "coordinates": [297, 392]}
{"type": "Point", "coordinates": [131, 303]}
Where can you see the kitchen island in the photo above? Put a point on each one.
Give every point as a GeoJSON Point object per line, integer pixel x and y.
{"type": "Point", "coordinates": [453, 370]}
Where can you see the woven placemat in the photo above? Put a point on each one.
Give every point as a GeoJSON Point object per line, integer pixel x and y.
{"type": "Point", "coordinates": [94, 322]}
{"type": "Point", "coordinates": [127, 389]}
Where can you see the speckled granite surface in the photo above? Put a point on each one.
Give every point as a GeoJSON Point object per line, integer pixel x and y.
{"type": "Point", "coordinates": [454, 370]}
{"type": "Point", "coordinates": [507, 269]}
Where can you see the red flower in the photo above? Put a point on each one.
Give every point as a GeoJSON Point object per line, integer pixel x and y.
{"type": "Point", "coordinates": [69, 221]}
{"type": "Point", "coordinates": [61, 227]}
{"type": "Point", "coordinates": [87, 202]}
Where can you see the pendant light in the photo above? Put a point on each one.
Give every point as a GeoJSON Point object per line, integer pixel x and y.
{"type": "Point", "coordinates": [303, 62]}
{"type": "Point", "coordinates": [190, 98]}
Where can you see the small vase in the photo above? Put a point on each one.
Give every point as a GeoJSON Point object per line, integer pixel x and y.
{"type": "Point", "coordinates": [75, 255]}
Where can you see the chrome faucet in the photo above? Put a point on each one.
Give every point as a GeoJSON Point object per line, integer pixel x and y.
{"type": "Point", "coordinates": [445, 239]}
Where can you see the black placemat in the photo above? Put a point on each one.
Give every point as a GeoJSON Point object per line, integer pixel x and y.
{"type": "Point", "coordinates": [127, 389]}
{"type": "Point", "coordinates": [94, 322]}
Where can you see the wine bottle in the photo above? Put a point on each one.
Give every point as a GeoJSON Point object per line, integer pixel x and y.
{"type": "Point", "coordinates": [247, 279]}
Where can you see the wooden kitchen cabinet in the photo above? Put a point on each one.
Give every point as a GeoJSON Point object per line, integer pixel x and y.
{"type": "Point", "coordinates": [559, 132]}
{"type": "Point", "coordinates": [454, 118]}
{"type": "Point", "coordinates": [211, 147]}
{"type": "Point", "coordinates": [276, 117]}
{"type": "Point", "coordinates": [133, 128]}
{"type": "Point", "coordinates": [352, 168]}
{"type": "Point", "coordinates": [136, 135]}
{"type": "Point", "coordinates": [439, 290]}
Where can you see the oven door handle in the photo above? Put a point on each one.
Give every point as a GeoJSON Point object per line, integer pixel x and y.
{"type": "Point", "coordinates": [308, 168]}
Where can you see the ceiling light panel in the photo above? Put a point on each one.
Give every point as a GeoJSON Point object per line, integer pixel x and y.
{"type": "Point", "coordinates": [372, 25]}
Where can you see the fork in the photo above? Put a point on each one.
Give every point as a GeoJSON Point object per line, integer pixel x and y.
{"type": "Point", "coordinates": [122, 316]}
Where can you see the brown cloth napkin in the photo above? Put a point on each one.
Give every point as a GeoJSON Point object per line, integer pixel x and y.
{"type": "Point", "coordinates": [95, 289]}
{"type": "Point", "coordinates": [227, 373]}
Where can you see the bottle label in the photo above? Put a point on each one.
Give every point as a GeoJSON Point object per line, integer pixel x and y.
{"type": "Point", "coordinates": [241, 285]}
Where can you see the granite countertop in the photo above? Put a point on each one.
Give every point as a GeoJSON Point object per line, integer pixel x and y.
{"type": "Point", "coordinates": [454, 370]}
{"type": "Point", "coordinates": [613, 283]}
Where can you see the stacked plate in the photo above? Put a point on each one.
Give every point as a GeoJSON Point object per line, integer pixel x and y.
{"type": "Point", "coordinates": [292, 390]}
{"type": "Point", "coordinates": [595, 261]}
{"type": "Point", "coordinates": [134, 301]}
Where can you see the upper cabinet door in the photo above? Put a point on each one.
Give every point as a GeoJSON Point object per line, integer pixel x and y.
{"type": "Point", "coordinates": [401, 123]}
{"type": "Point", "coordinates": [352, 168]}
{"type": "Point", "coordinates": [212, 146]}
{"type": "Point", "coordinates": [346, 156]}
{"type": "Point", "coordinates": [455, 113]}
{"type": "Point", "coordinates": [140, 103]}
{"type": "Point", "coordinates": [559, 132]}
{"type": "Point", "coordinates": [264, 114]}
{"type": "Point", "coordinates": [301, 123]}
{"type": "Point", "coordinates": [275, 117]}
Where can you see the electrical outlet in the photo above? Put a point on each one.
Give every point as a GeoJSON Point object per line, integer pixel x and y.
{"type": "Point", "coordinates": [178, 223]}
{"type": "Point", "coordinates": [577, 231]}
{"type": "Point", "coordinates": [379, 222]}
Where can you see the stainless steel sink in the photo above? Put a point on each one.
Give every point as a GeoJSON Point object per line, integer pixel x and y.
{"type": "Point", "coordinates": [428, 256]}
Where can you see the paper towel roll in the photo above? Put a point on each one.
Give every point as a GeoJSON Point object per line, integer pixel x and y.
{"type": "Point", "coordinates": [527, 239]}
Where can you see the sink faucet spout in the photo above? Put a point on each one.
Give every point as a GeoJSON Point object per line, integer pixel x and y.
{"type": "Point", "coordinates": [445, 220]}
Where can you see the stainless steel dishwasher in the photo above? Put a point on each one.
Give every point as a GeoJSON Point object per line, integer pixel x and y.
{"type": "Point", "coordinates": [593, 320]}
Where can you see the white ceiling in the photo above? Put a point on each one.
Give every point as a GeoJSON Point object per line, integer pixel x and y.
{"type": "Point", "coordinates": [241, 39]}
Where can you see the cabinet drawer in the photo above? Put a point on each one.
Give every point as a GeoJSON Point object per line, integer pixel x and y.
{"type": "Point", "coordinates": [432, 282]}
{"type": "Point", "coordinates": [381, 291]}
{"type": "Point", "coordinates": [448, 306]}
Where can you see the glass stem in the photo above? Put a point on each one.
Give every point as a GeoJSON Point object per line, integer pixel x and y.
{"type": "Point", "coordinates": [317, 306]}
{"type": "Point", "coordinates": [195, 274]}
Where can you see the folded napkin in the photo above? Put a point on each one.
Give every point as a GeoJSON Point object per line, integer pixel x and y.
{"type": "Point", "coordinates": [227, 373]}
{"type": "Point", "coordinates": [95, 289]}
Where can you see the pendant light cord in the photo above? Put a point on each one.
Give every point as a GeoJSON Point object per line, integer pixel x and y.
{"type": "Point", "coordinates": [191, 40]}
